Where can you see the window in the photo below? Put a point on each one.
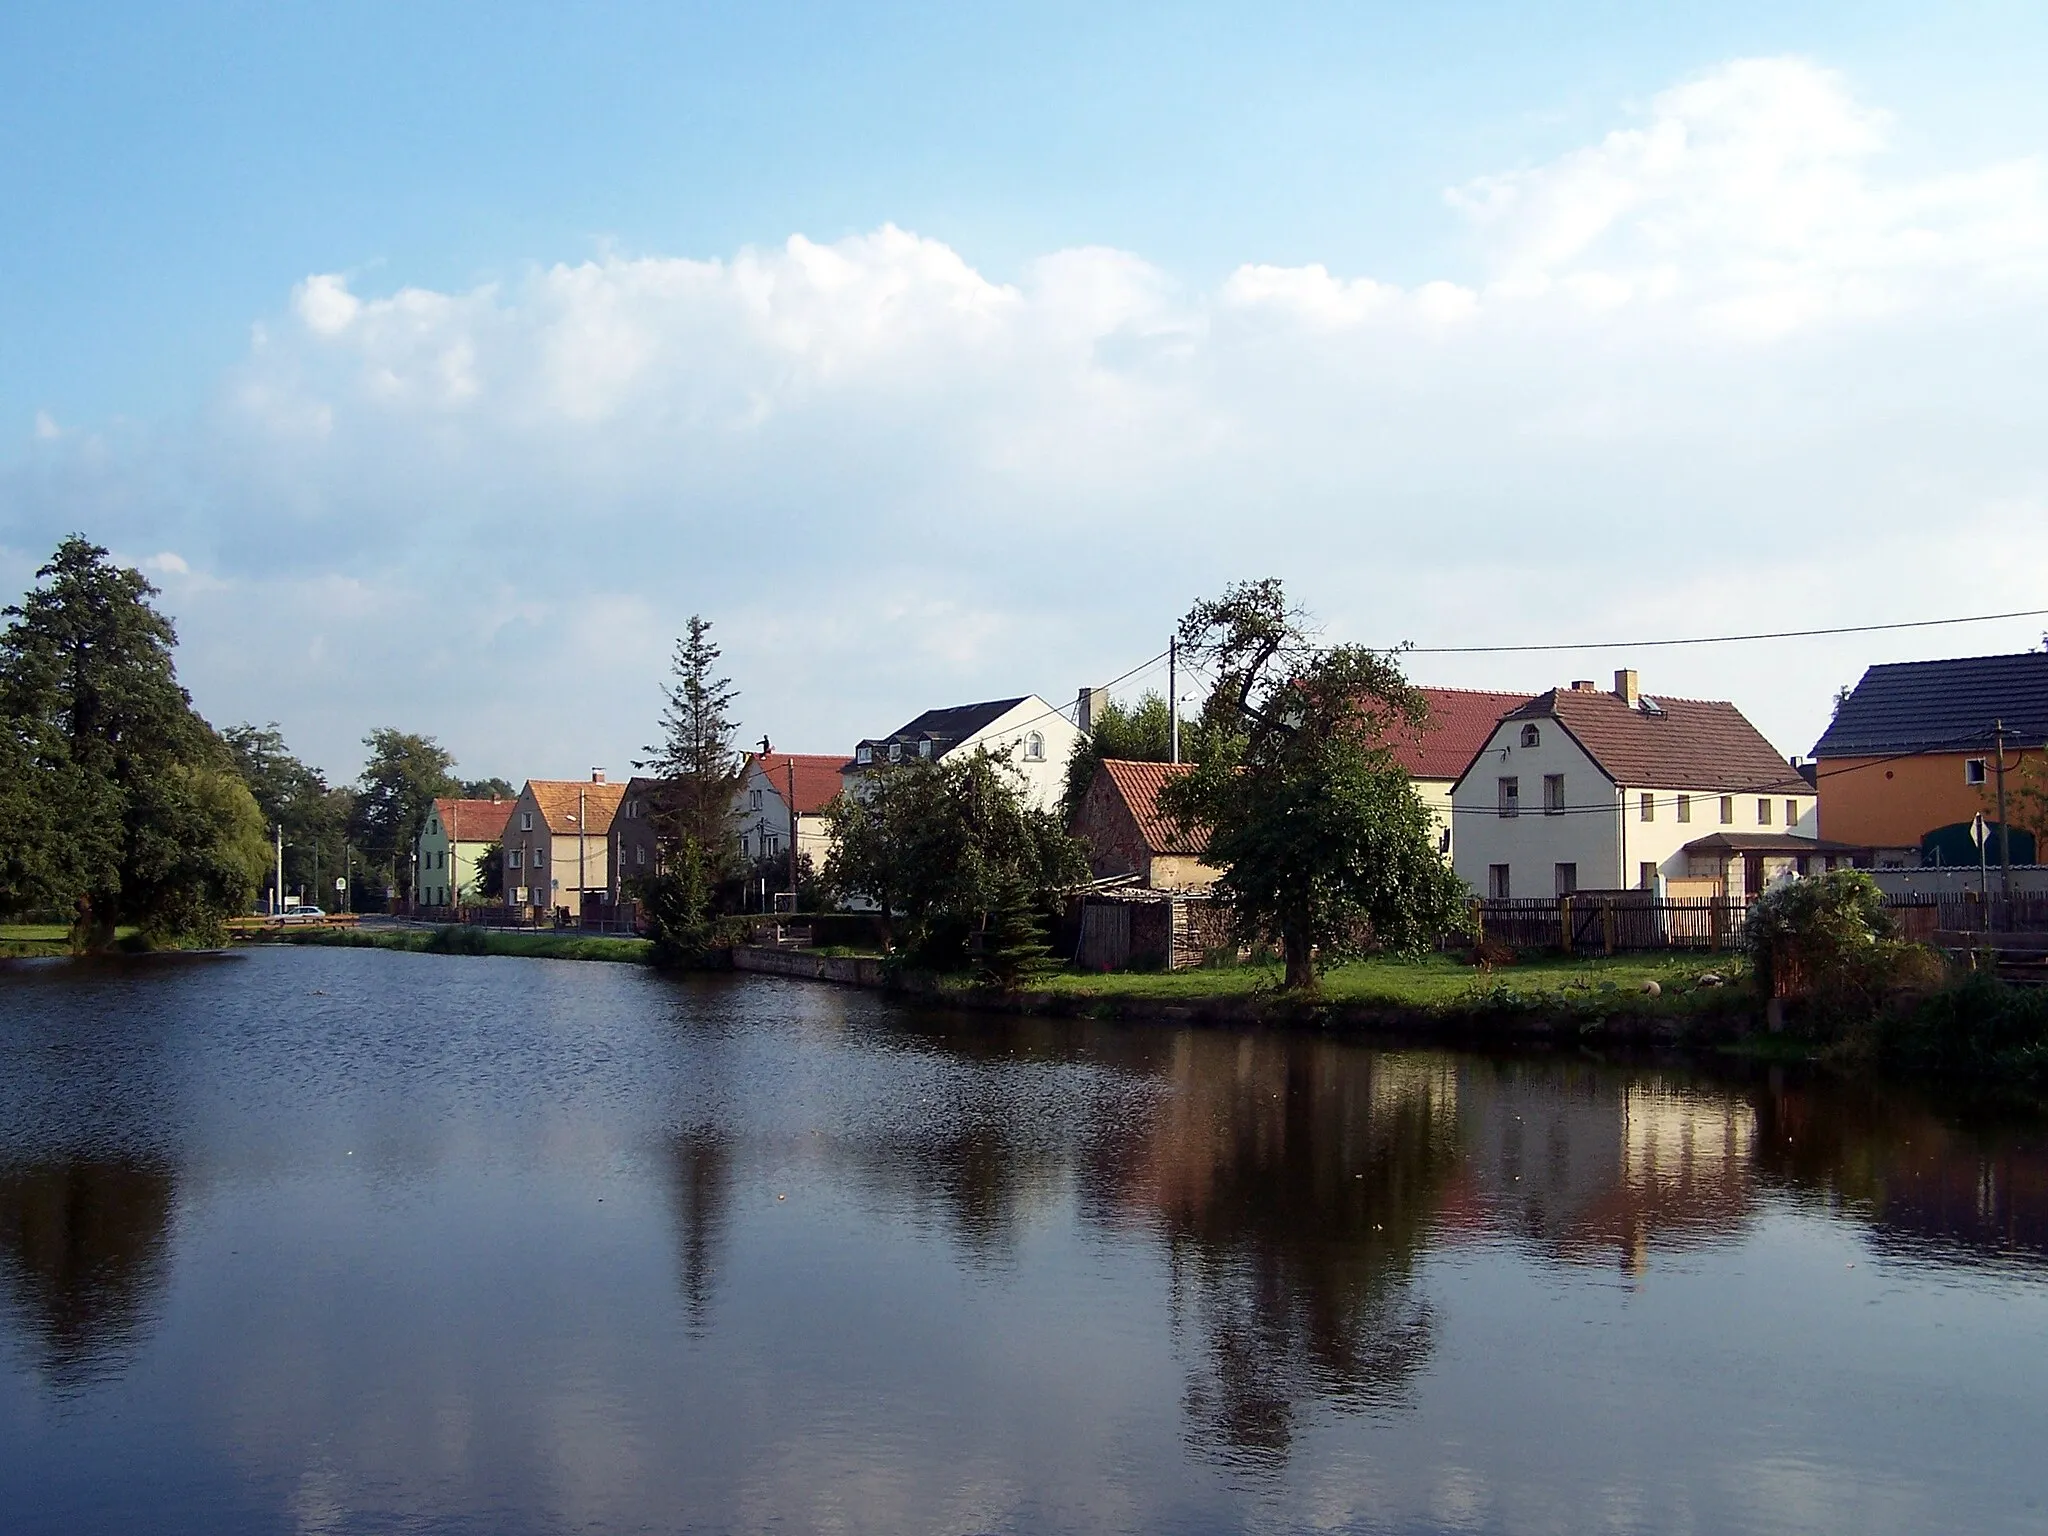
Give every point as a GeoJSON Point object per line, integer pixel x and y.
{"type": "Point", "coordinates": [1531, 737]}
{"type": "Point", "coordinates": [514, 857]}
{"type": "Point", "coordinates": [640, 855]}
{"type": "Point", "coordinates": [526, 821]}
{"type": "Point", "coordinates": [1553, 794]}
{"type": "Point", "coordinates": [1648, 804]}
{"type": "Point", "coordinates": [863, 754]}
{"type": "Point", "coordinates": [1034, 748]}
{"type": "Point", "coordinates": [1763, 813]}
{"type": "Point", "coordinates": [1685, 808]}
{"type": "Point", "coordinates": [924, 749]}
{"type": "Point", "coordinates": [1727, 810]}
{"type": "Point", "coordinates": [746, 847]}
{"type": "Point", "coordinates": [1791, 813]}
{"type": "Point", "coordinates": [540, 857]}
{"type": "Point", "coordinates": [1646, 875]}
{"type": "Point", "coordinates": [1973, 770]}
{"type": "Point", "coordinates": [895, 751]}
{"type": "Point", "coordinates": [1565, 877]}
{"type": "Point", "coordinates": [1510, 797]}
{"type": "Point", "coordinates": [1497, 881]}
{"type": "Point", "coordinates": [753, 799]}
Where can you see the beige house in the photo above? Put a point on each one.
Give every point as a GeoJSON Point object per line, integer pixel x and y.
{"type": "Point", "coordinates": [557, 845]}
{"type": "Point", "coordinates": [456, 834]}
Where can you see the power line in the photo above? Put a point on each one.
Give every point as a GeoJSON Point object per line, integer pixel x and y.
{"type": "Point", "coordinates": [1780, 634]}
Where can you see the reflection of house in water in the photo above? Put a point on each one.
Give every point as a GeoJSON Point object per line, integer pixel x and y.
{"type": "Point", "coordinates": [1294, 1182]}
{"type": "Point", "coordinates": [700, 1162]}
{"type": "Point", "coordinates": [1923, 1184]}
{"type": "Point", "coordinates": [1586, 1161]}
{"type": "Point", "coordinates": [82, 1259]}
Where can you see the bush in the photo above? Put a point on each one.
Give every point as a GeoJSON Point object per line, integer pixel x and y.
{"type": "Point", "coordinates": [1981, 1027]}
{"type": "Point", "coordinates": [1827, 941]}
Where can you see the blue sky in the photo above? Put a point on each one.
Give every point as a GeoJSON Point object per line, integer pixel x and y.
{"type": "Point", "coordinates": [972, 501]}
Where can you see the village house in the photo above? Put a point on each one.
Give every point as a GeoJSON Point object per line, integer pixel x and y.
{"type": "Point", "coordinates": [1458, 724]}
{"type": "Point", "coordinates": [766, 811]}
{"type": "Point", "coordinates": [632, 851]}
{"type": "Point", "coordinates": [1585, 789]}
{"type": "Point", "coordinates": [1911, 757]}
{"type": "Point", "coordinates": [557, 844]}
{"type": "Point", "coordinates": [1127, 835]}
{"type": "Point", "coordinates": [1038, 736]}
{"type": "Point", "coordinates": [455, 836]}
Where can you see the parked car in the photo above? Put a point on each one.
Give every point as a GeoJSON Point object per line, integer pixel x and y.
{"type": "Point", "coordinates": [304, 915]}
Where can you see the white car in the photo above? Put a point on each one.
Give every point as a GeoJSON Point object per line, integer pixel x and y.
{"type": "Point", "coordinates": [304, 915]}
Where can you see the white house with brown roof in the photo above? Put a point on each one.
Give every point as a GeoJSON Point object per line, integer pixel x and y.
{"type": "Point", "coordinates": [766, 812]}
{"type": "Point", "coordinates": [1433, 755]}
{"type": "Point", "coordinates": [1581, 788]}
{"type": "Point", "coordinates": [455, 836]}
{"type": "Point", "coordinates": [557, 842]}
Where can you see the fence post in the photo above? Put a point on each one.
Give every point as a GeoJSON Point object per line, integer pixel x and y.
{"type": "Point", "coordinates": [1478, 920]}
{"type": "Point", "coordinates": [1607, 922]}
{"type": "Point", "coordinates": [1714, 925]}
{"type": "Point", "coordinates": [1564, 923]}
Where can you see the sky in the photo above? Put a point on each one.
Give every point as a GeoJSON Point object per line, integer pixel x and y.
{"type": "Point", "coordinates": [438, 362]}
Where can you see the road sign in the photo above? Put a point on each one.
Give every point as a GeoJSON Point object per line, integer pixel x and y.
{"type": "Point", "coordinates": [340, 883]}
{"type": "Point", "coordinates": [1980, 830]}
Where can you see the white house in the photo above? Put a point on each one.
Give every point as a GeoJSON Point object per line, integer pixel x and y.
{"type": "Point", "coordinates": [1038, 736]}
{"type": "Point", "coordinates": [764, 810]}
{"type": "Point", "coordinates": [1585, 789]}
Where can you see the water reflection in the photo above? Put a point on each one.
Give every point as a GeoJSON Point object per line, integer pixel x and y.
{"type": "Point", "coordinates": [82, 1260]}
{"type": "Point", "coordinates": [700, 1193]}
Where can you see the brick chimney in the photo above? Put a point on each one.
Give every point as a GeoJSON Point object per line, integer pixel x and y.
{"type": "Point", "coordinates": [1625, 688]}
{"type": "Point", "coordinates": [1088, 711]}
{"type": "Point", "coordinates": [597, 775]}
{"type": "Point", "coordinates": [1585, 685]}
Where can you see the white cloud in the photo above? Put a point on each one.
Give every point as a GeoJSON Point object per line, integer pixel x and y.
{"type": "Point", "coordinates": [1725, 367]}
{"type": "Point", "coordinates": [46, 427]}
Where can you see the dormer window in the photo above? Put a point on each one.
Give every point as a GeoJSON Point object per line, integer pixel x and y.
{"type": "Point", "coordinates": [895, 751]}
{"type": "Point", "coordinates": [863, 754]}
{"type": "Point", "coordinates": [924, 748]}
{"type": "Point", "coordinates": [1531, 737]}
{"type": "Point", "coordinates": [1034, 748]}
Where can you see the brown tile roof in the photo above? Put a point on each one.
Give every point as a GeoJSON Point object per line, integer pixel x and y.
{"type": "Point", "coordinates": [474, 821]}
{"type": "Point", "coordinates": [1460, 720]}
{"type": "Point", "coordinates": [556, 799]}
{"type": "Point", "coordinates": [817, 776]}
{"type": "Point", "coordinates": [1139, 784]}
{"type": "Point", "coordinates": [1702, 744]}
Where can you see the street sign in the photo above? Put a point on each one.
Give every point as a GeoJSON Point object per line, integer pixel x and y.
{"type": "Point", "coordinates": [1980, 830]}
{"type": "Point", "coordinates": [340, 884]}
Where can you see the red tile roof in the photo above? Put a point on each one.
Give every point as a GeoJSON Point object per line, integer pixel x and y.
{"type": "Point", "coordinates": [1704, 744]}
{"type": "Point", "coordinates": [474, 821]}
{"type": "Point", "coordinates": [557, 799]}
{"type": "Point", "coordinates": [817, 777]}
{"type": "Point", "coordinates": [1460, 720]}
{"type": "Point", "coordinates": [1139, 784]}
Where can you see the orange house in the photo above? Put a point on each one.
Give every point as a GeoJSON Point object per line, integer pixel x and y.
{"type": "Point", "coordinates": [1912, 758]}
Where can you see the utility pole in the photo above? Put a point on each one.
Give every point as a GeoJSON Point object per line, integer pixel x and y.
{"type": "Point", "coordinates": [2004, 835]}
{"type": "Point", "coordinates": [277, 895]}
{"type": "Point", "coordinates": [1173, 698]}
{"type": "Point", "coordinates": [790, 764]}
{"type": "Point", "coordinates": [582, 819]}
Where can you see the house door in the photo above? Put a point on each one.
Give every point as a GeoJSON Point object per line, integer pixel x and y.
{"type": "Point", "coordinates": [1752, 874]}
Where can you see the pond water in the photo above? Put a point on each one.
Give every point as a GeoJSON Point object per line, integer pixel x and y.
{"type": "Point", "coordinates": [344, 1240]}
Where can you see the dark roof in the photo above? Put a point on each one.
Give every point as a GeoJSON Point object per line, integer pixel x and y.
{"type": "Point", "coordinates": [1460, 720]}
{"type": "Point", "coordinates": [1767, 842]}
{"type": "Point", "coordinates": [948, 727]}
{"type": "Point", "coordinates": [1138, 785]}
{"type": "Point", "coordinates": [1703, 744]}
{"type": "Point", "coordinates": [1941, 706]}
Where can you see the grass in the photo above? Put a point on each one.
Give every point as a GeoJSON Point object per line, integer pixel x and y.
{"type": "Point", "coordinates": [474, 941]}
{"type": "Point", "coordinates": [27, 940]}
{"type": "Point", "coordinates": [1435, 983]}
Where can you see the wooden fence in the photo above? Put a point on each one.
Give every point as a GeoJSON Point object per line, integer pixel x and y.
{"type": "Point", "coordinates": [1628, 922]}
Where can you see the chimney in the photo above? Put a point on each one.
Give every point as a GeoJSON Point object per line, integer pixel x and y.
{"type": "Point", "coordinates": [1090, 707]}
{"type": "Point", "coordinates": [1625, 687]}
{"type": "Point", "coordinates": [1585, 685]}
{"type": "Point", "coordinates": [597, 775]}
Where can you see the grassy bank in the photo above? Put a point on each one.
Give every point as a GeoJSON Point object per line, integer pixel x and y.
{"type": "Point", "coordinates": [471, 941]}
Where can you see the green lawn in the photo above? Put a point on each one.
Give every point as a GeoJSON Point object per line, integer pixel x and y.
{"type": "Point", "coordinates": [1435, 982]}
{"type": "Point", "coordinates": [18, 940]}
{"type": "Point", "coordinates": [474, 941]}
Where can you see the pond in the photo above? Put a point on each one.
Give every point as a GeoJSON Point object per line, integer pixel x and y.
{"type": "Point", "coordinates": [346, 1240]}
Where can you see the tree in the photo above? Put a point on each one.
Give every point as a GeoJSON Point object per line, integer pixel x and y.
{"type": "Point", "coordinates": [1139, 734]}
{"type": "Point", "coordinates": [1323, 842]}
{"type": "Point", "coordinates": [296, 796]}
{"type": "Point", "coordinates": [1013, 943]}
{"type": "Point", "coordinates": [696, 757]}
{"type": "Point", "coordinates": [488, 789]}
{"type": "Point", "coordinates": [149, 821]}
{"type": "Point", "coordinates": [405, 774]}
{"type": "Point", "coordinates": [490, 873]}
{"type": "Point", "coordinates": [932, 842]}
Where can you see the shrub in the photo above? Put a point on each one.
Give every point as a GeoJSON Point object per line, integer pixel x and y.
{"type": "Point", "coordinates": [1981, 1027]}
{"type": "Point", "coordinates": [1827, 940]}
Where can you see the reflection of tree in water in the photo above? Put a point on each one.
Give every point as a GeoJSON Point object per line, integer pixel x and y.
{"type": "Point", "coordinates": [82, 1259]}
{"type": "Point", "coordinates": [1295, 1181]}
{"type": "Point", "coordinates": [1960, 1184]}
{"type": "Point", "coordinates": [700, 1188]}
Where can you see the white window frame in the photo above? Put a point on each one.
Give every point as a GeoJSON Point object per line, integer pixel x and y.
{"type": "Point", "coordinates": [1510, 789]}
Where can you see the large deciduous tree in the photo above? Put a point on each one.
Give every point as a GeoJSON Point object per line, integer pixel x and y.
{"type": "Point", "coordinates": [937, 845]}
{"type": "Point", "coordinates": [133, 812]}
{"type": "Point", "coordinates": [1322, 840]}
{"type": "Point", "coordinates": [404, 775]}
{"type": "Point", "coordinates": [295, 796]}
